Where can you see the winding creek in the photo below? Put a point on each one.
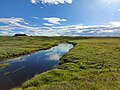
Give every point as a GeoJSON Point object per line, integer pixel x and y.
{"type": "Point", "coordinates": [25, 67]}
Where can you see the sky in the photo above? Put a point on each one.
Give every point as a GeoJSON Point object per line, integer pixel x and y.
{"type": "Point", "coordinates": [60, 17]}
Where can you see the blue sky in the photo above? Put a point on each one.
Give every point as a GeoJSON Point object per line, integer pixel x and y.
{"type": "Point", "coordinates": [60, 17]}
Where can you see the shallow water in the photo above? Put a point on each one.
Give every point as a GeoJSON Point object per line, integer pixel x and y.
{"type": "Point", "coordinates": [25, 67]}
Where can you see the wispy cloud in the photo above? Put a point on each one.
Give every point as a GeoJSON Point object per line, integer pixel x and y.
{"type": "Point", "coordinates": [13, 24]}
{"type": "Point", "coordinates": [4, 33]}
{"type": "Point", "coordinates": [108, 2]}
{"type": "Point", "coordinates": [115, 23]}
{"type": "Point", "coordinates": [54, 20]}
{"type": "Point", "coordinates": [47, 24]}
{"type": "Point", "coordinates": [11, 20]}
{"type": "Point", "coordinates": [35, 17]}
{"type": "Point", "coordinates": [51, 1]}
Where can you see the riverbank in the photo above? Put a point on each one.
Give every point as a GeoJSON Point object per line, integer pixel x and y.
{"type": "Point", "coordinates": [16, 46]}
{"type": "Point", "coordinates": [93, 64]}
{"type": "Point", "coordinates": [23, 68]}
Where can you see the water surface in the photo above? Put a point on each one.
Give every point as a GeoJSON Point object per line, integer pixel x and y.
{"type": "Point", "coordinates": [25, 67]}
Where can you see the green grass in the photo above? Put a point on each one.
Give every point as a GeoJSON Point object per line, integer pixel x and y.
{"type": "Point", "coordinates": [93, 64]}
{"type": "Point", "coordinates": [16, 46]}
{"type": "Point", "coordinates": [3, 65]}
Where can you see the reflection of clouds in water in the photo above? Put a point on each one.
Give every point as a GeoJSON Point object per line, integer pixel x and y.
{"type": "Point", "coordinates": [61, 48]}
{"type": "Point", "coordinates": [27, 66]}
{"type": "Point", "coordinates": [56, 52]}
{"type": "Point", "coordinates": [17, 59]}
{"type": "Point", "coordinates": [53, 57]}
{"type": "Point", "coordinates": [21, 59]}
{"type": "Point", "coordinates": [65, 47]}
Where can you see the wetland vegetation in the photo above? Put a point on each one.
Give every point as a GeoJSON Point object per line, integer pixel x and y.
{"type": "Point", "coordinates": [93, 63]}
{"type": "Point", "coordinates": [16, 46]}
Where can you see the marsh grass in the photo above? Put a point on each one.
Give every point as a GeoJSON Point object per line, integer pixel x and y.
{"type": "Point", "coordinates": [16, 46]}
{"type": "Point", "coordinates": [93, 64]}
{"type": "Point", "coordinates": [3, 65]}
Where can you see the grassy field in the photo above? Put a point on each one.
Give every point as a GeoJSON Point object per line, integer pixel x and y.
{"type": "Point", "coordinates": [93, 64]}
{"type": "Point", "coordinates": [15, 46]}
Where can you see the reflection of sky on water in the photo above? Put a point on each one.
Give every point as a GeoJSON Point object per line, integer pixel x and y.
{"type": "Point", "coordinates": [55, 53]}
{"type": "Point", "coordinates": [22, 68]}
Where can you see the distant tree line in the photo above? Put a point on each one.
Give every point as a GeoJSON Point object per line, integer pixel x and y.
{"type": "Point", "coordinates": [20, 35]}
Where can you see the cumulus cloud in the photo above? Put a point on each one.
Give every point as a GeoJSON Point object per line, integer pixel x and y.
{"type": "Point", "coordinates": [54, 20]}
{"type": "Point", "coordinates": [34, 1]}
{"type": "Point", "coordinates": [51, 1]}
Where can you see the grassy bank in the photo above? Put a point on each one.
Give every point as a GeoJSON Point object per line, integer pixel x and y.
{"type": "Point", "coordinates": [3, 65]}
{"type": "Point", "coordinates": [93, 64]}
{"type": "Point", "coordinates": [16, 46]}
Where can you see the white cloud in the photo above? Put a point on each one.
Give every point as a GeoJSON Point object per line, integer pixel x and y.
{"type": "Point", "coordinates": [52, 1]}
{"type": "Point", "coordinates": [33, 1]}
{"type": "Point", "coordinates": [53, 57]}
{"type": "Point", "coordinates": [12, 24]}
{"type": "Point", "coordinates": [47, 24]}
{"type": "Point", "coordinates": [54, 20]}
{"type": "Point", "coordinates": [118, 10]}
{"type": "Point", "coordinates": [115, 24]}
{"type": "Point", "coordinates": [26, 23]}
{"type": "Point", "coordinates": [11, 20]}
{"type": "Point", "coordinates": [41, 7]}
{"type": "Point", "coordinates": [108, 31]}
{"type": "Point", "coordinates": [35, 17]}
{"type": "Point", "coordinates": [4, 33]}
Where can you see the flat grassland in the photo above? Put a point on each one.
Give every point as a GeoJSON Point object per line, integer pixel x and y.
{"type": "Point", "coordinates": [93, 64]}
{"type": "Point", "coordinates": [16, 46]}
